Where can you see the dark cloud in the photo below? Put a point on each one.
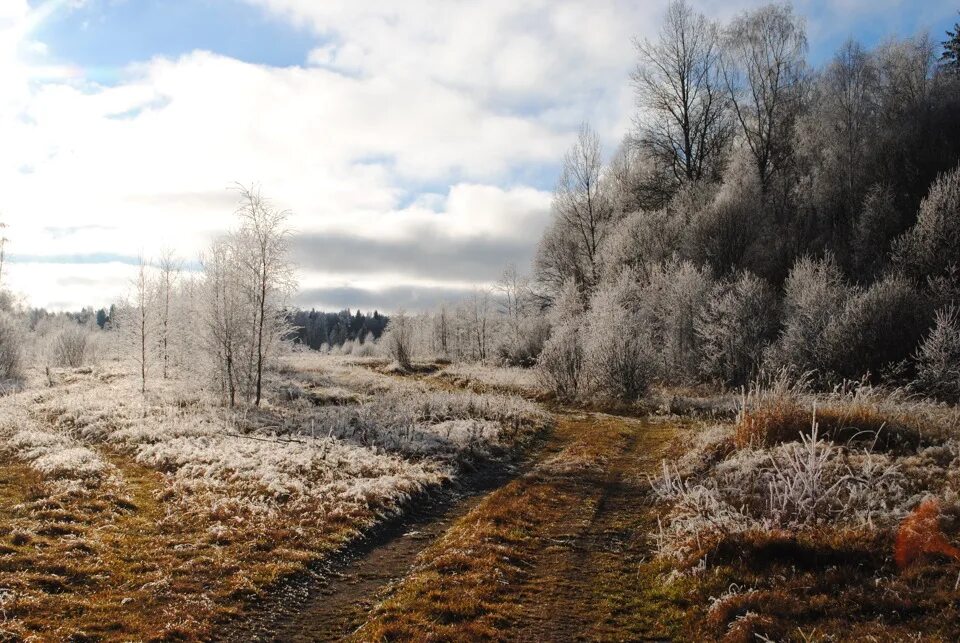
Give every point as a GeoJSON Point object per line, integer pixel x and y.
{"type": "Point", "coordinates": [429, 254]}
{"type": "Point", "coordinates": [411, 298]}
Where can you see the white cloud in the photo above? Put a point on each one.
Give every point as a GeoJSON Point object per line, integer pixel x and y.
{"type": "Point", "coordinates": [408, 118]}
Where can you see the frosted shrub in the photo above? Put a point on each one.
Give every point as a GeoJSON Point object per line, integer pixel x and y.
{"type": "Point", "coordinates": [938, 358]}
{"type": "Point", "coordinates": [675, 297]}
{"type": "Point", "coordinates": [11, 349]}
{"type": "Point", "coordinates": [735, 326]}
{"type": "Point", "coordinates": [932, 245]}
{"type": "Point", "coordinates": [398, 340]}
{"type": "Point", "coordinates": [71, 346]}
{"type": "Point", "coordinates": [815, 292]}
{"type": "Point", "coordinates": [617, 359]}
{"type": "Point", "coordinates": [561, 360]}
{"type": "Point", "coordinates": [875, 328]}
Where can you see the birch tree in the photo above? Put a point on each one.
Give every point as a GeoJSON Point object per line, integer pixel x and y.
{"type": "Point", "coordinates": [268, 274]}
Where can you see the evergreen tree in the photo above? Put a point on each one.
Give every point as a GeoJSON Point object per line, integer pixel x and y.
{"type": "Point", "coordinates": [950, 60]}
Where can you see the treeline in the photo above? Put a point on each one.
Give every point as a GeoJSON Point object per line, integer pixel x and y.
{"type": "Point", "coordinates": [763, 214]}
{"type": "Point", "coordinates": [322, 330]}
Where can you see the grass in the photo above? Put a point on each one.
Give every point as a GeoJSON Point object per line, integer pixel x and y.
{"type": "Point", "coordinates": [175, 516]}
{"type": "Point", "coordinates": [793, 529]}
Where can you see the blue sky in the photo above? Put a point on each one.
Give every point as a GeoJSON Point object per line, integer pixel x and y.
{"type": "Point", "coordinates": [384, 126]}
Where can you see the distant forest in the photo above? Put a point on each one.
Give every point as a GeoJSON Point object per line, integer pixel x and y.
{"type": "Point", "coordinates": [314, 328]}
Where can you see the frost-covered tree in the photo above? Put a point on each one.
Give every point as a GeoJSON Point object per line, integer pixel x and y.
{"type": "Point", "coordinates": [582, 215]}
{"type": "Point", "coordinates": [763, 64]}
{"type": "Point", "coordinates": [267, 274]}
{"type": "Point", "coordinates": [684, 108]}
{"type": "Point", "coordinates": [223, 317]}
{"type": "Point", "coordinates": [874, 230]}
{"type": "Point", "coordinates": [167, 281]}
{"type": "Point", "coordinates": [137, 321]}
{"type": "Point", "coordinates": [736, 325]}
{"type": "Point", "coordinates": [938, 358]}
{"type": "Point", "coordinates": [932, 246]}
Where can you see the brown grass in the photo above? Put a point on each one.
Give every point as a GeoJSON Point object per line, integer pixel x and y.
{"type": "Point", "coordinates": [921, 534]}
{"type": "Point", "coordinates": [779, 418]}
{"type": "Point", "coordinates": [91, 563]}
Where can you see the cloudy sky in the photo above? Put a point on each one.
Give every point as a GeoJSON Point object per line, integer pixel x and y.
{"type": "Point", "coordinates": [416, 141]}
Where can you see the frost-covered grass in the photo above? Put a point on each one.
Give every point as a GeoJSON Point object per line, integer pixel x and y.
{"type": "Point", "coordinates": [164, 513]}
{"type": "Point", "coordinates": [801, 500]}
{"type": "Point", "coordinates": [512, 379]}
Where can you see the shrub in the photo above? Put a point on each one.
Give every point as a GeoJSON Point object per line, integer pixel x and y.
{"type": "Point", "coordinates": [561, 360]}
{"type": "Point", "coordinates": [875, 329]}
{"type": "Point", "coordinates": [814, 293]}
{"type": "Point", "coordinates": [938, 358]}
{"type": "Point", "coordinates": [617, 359]}
{"type": "Point", "coordinates": [526, 348]}
{"type": "Point", "coordinates": [398, 340]}
{"type": "Point", "coordinates": [932, 245]}
{"type": "Point", "coordinates": [11, 348]}
{"type": "Point", "coordinates": [675, 297]}
{"type": "Point", "coordinates": [735, 327]}
{"type": "Point", "coordinates": [71, 346]}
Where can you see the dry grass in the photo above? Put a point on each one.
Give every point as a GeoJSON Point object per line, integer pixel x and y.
{"type": "Point", "coordinates": [131, 519]}
{"type": "Point", "coordinates": [786, 527]}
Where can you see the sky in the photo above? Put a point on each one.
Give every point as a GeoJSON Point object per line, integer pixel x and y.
{"type": "Point", "coordinates": [415, 142]}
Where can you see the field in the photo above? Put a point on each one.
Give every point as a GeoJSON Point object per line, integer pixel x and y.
{"type": "Point", "coordinates": [129, 517]}
{"type": "Point", "coordinates": [446, 503]}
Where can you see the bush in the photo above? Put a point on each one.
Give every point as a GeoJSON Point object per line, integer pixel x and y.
{"type": "Point", "coordinates": [676, 296]}
{"type": "Point", "coordinates": [617, 359]}
{"type": "Point", "coordinates": [524, 350]}
{"type": "Point", "coordinates": [815, 292]}
{"type": "Point", "coordinates": [11, 349]}
{"type": "Point", "coordinates": [877, 328]}
{"type": "Point", "coordinates": [71, 346]}
{"type": "Point", "coordinates": [932, 245]}
{"type": "Point", "coordinates": [561, 361]}
{"type": "Point", "coordinates": [398, 340]}
{"type": "Point", "coordinates": [938, 358]}
{"type": "Point", "coordinates": [735, 327]}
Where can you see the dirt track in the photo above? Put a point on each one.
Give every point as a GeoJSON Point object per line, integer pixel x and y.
{"type": "Point", "coordinates": [583, 577]}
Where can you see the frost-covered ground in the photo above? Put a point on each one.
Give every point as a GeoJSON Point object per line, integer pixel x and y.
{"type": "Point", "coordinates": [848, 503]}
{"type": "Point", "coordinates": [165, 512]}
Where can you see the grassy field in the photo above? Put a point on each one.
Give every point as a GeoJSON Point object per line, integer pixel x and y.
{"type": "Point", "coordinates": [128, 517]}
{"type": "Point", "coordinates": [778, 515]}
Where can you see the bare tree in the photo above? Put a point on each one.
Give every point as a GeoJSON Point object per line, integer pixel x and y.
{"type": "Point", "coordinates": [264, 236]}
{"type": "Point", "coordinates": [170, 268]}
{"type": "Point", "coordinates": [583, 213]}
{"type": "Point", "coordinates": [137, 322]}
{"type": "Point", "coordinates": [513, 290]}
{"type": "Point", "coordinates": [763, 65]}
{"type": "Point", "coordinates": [223, 314]}
{"type": "Point", "coordinates": [685, 116]}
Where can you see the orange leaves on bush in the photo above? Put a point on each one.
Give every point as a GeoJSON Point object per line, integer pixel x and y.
{"type": "Point", "coordinates": [920, 534]}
